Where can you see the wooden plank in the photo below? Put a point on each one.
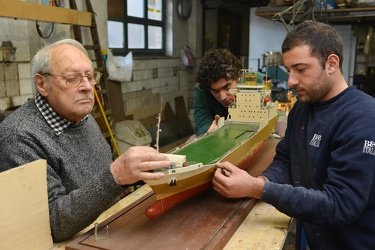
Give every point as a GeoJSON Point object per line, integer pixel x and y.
{"type": "Point", "coordinates": [207, 221]}
{"type": "Point", "coordinates": [264, 227]}
{"type": "Point", "coordinates": [116, 210]}
{"type": "Point", "coordinates": [24, 211]}
{"type": "Point", "coordinates": [45, 13]}
{"type": "Point", "coordinates": [116, 101]}
{"type": "Point", "coordinates": [180, 107]}
{"type": "Point", "coordinates": [263, 222]}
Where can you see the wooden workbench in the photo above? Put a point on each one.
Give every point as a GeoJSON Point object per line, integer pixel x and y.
{"type": "Point", "coordinates": [248, 227]}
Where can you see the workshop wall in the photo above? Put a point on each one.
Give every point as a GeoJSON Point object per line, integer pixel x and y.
{"type": "Point", "coordinates": [16, 83]}
{"type": "Point", "coordinates": [15, 87]}
{"type": "Point", "coordinates": [261, 29]}
{"type": "Point", "coordinates": [163, 76]}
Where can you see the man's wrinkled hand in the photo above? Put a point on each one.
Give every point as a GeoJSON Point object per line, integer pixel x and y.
{"type": "Point", "coordinates": [137, 164]}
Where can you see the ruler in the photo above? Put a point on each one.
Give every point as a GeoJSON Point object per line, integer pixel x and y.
{"type": "Point", "coordinates": [136, 195]}
{"type": "Point", "coordinates": [128, 200]}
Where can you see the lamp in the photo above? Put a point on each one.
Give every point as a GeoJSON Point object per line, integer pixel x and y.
{"type": "Point", "coordinates": [8, 51]}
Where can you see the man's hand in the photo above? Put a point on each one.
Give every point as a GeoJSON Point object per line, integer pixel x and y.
{"type": "Point", "coordinates": [136, 163]}
{"type": "Point", "coordinates": [214, 124]}
{"type": "Point", "coordinates": [233, 182]}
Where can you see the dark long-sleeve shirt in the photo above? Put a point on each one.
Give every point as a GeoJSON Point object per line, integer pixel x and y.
{"type": "Point", "coordinates": [205, 109]}
{"type": "Point", "coordinates": [323, 173]}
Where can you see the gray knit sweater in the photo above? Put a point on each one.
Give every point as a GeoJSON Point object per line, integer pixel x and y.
{"type": "Point", "coordinates": [80, 184]}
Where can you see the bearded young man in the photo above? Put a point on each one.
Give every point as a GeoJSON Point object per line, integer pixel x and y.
{"type": "Point", "coordinates": [323, 173]}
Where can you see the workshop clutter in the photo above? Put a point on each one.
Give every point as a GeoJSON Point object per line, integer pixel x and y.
{"type": "Point", "coordinates": [187, 58]}
{"type": "Point", "coordinates": [131, 133]}
{"type": "Point", "coordinates": [57, 3]}
{"type": "Point", "coordinates": [8, 52]}
{"type": "Point", "coordinates": [119, 68]}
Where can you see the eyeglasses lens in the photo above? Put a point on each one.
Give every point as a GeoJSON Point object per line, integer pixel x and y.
{"type": "Point", "coordinates": [76, 79]}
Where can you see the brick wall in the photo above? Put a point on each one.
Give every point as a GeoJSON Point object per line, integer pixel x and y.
{"type": "Point", "coordinates": [152, 77]}
{"type": "Point", "coordinates": [157, 77]}
{"type": "Point", "coordinates": [16, 86]}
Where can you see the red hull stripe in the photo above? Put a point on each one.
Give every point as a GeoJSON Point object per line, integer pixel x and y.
{"type": "Point", "coordinates": [161, 206]}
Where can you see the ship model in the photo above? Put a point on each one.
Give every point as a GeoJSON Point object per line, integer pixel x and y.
{"type": "Point", "coordinates": [239, 140]}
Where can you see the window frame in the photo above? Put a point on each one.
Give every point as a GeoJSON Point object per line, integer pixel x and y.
{"type": "Point", "coordinates": [146, 23]}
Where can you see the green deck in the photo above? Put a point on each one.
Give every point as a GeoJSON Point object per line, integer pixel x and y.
{"type": "Point", "coordinates": [212, 147]}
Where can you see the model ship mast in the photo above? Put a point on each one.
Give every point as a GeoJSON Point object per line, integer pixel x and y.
{"type": "Point", "coordinates": [158, 130]}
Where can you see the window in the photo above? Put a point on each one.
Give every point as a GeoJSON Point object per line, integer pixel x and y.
{"type": "Point", "coordinates": [137, 26]}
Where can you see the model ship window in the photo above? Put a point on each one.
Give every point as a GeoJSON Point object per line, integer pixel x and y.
{"type": "Point", "coordinates": [173, 182]}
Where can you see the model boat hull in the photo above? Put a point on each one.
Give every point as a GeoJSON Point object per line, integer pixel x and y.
{"type": "Point", "coordinates": [238, 143]}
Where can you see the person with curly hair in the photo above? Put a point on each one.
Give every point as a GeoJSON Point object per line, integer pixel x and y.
{"type": "Point", "coordinates": [218, 72]}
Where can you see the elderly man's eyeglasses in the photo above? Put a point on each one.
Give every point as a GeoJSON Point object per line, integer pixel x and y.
{"type": "Point", "coordinates": [75, 78]}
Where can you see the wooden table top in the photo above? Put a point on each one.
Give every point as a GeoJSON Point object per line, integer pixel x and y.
{"type": "Point", "coordinates": [261, 228]}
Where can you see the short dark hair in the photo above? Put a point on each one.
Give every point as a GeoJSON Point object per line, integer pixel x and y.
{"type": "Point", "coordinates": [217, 64]}
{"type": "Point", "coordinates": [322, 39]}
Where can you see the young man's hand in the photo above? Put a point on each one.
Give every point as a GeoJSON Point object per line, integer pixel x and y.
{"type": "Point", "coordinates": [214, 124]}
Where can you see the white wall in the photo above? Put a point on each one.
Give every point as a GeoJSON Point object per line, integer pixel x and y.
{"type": "Point", "coordinates": [350, 43]}
{"type": "Point", "coordinates": [267, 35]}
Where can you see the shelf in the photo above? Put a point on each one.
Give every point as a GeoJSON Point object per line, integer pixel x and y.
{"type": "Point", "coordinates": [348, 15]}
{"type": "Point", "coordinates": [32, 11]}
{"type": "Point", "coordinates": [98, 114]}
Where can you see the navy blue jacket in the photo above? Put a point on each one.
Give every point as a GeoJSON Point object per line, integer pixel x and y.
{"type": "Point", "coordinates": [323, 173]}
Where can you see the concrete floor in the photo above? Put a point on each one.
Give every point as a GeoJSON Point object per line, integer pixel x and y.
{"type": "Point", "coordinates": [291, 238]}
{"type": "Point", "coordinates": [290, 241]}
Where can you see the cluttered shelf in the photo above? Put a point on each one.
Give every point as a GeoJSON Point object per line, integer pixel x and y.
{"type": "Point", "coordinates": [344, 15]}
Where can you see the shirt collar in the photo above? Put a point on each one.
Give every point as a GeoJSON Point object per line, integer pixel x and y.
{"type": "Point", "coordinates": [57, 123]}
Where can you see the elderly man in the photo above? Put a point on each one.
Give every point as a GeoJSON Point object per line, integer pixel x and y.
{"type": "Point", "coordinates": [83, 180]}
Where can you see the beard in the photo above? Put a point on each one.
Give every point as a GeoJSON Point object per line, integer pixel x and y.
{"type": "Point", "coordinates": [317, 90]}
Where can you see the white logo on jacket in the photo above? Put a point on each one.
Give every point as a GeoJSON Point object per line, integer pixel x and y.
{"type": "Point", "coordinates": [369, 147]}
{"type": "Point", "coordinates": [315, 141]}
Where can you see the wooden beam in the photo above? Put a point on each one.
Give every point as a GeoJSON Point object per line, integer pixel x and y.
{"type": "Point", "coordinates": [45, 13]}
{"type": "Point", "coordinates": [263, 228]}
{"type": "Point", "coordinates": [24, 211]}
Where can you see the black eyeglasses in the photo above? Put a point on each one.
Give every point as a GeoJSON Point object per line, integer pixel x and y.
{"type": "Point", "coordinates": [73, 79]}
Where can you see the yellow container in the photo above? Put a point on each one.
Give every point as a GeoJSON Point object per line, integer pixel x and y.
{"type": "Point", "coordinates": [267, 83]}
{"type": "Point", "coordinates": [250, 78]}
{"type": "Point", "coordinates": [253, 79]}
